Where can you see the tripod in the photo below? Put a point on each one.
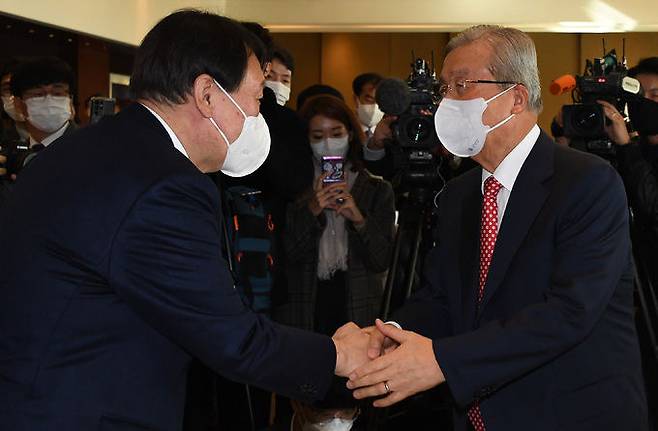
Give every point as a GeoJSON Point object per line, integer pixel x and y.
{"type": "Point", "coordinates": [647, 319]}
{"type": "Point", "coordinates": [415, 222]}
{"type": "Point", "coordinates": [413, 239]}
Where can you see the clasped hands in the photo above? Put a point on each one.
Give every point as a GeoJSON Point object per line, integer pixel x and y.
{"type": "Point", "coordinates": [383, 360]}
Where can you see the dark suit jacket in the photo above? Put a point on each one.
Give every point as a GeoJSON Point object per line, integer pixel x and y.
{"type": "Point", "coordinates": [553, 344]}
{"type": "Point", "coordinates": [112, 278]}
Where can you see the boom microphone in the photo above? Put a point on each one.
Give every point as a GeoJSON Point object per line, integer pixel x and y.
{"type": "Point", "coordinates": [562, 84]}
{"type": "Point", "coordinates": [393, 96]}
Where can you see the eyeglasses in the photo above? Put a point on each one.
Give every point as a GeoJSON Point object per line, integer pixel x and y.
{"type": "Point", "coordinates": [461, 86]}
{"type": "Point", "coordinates": [55, 90]}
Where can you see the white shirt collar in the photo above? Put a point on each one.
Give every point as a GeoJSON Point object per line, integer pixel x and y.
{"type": "Point", "coordinates": [50, 138]}
{"type": "Point", "coordinates": [509, 168]}
{"type": "Point", "coordinates": [177, 143]}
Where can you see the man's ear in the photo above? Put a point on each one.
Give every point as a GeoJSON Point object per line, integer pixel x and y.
{"type": "Point", "coordinates": [521, 97]}
{"type": "Point", "coordinates": [205, 99]}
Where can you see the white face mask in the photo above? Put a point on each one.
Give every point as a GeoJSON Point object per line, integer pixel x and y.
{"type": "Point", "coordinates": [369, 115]}
{"type": "Point", "coordinates": [330, 147]}
{"type": "Point", "coordinates": [336, 424]}
{"type": "Point", "coordinates": [249, 151]}
{"type": "Point", "coordinates": [10, 109]}
{"type": "Point", "coordinates": [459, 124]}
{"type": "Point", "coordinates": [281, 91]}
{"type": "Point", "coordinates": [49, 113]}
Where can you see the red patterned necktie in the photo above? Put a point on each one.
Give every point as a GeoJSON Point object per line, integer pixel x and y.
{"type": "Point", "coordinates": [488, 233]}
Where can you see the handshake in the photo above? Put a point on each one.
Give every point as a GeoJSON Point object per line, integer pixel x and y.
{"type": "Point", "coordinates": [383, 360]}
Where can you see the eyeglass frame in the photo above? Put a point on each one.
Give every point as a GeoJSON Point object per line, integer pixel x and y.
{"type": "Point", "coordinates": [449, 88]}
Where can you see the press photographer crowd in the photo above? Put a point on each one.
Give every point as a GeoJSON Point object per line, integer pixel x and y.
{"type": "Point", "coordinates": [207, 258]}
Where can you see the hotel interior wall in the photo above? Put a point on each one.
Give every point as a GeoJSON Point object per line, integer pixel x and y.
{"type": "Point", "coordinates": [336, 58]}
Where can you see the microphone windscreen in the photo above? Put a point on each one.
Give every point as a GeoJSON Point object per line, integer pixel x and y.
{"type": "Point", "coordinates": [562, 84]}
{"type": "Point", "coordinates": [393, 96]}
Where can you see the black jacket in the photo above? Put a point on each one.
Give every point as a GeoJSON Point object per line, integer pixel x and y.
{"type": "Point", "coordinates": [113, 279]}
{"type": "Point", "coordinates": [553, 344]}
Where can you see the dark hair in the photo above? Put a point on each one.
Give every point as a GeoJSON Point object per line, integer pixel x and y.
{"type": "Point", "coordinates": [334, 108]}
{"type": "Point", "coordinates": [647, 66]}
{"type": "Point", "coordinates": [363, 79]}
{"type": "Point", "coordinates": [38, 71]}
{"type": "Point", "coordinates": [189, 43]}
{"type": "Point", "coordinates": [264, 36]}
{"type": "Point", "coordinates": [316, 90]}
{"type": "Point", "coordinates": [285, 57]}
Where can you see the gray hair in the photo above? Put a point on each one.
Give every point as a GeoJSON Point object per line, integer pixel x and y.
{"type": "Point", "coordinates": [513, 57]}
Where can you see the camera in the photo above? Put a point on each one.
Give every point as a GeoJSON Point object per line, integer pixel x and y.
{"type": "Point", "coordinates": [414, 128]}
{"type": "Point", "coordinates": [16, 152]}
{"type": "Point", "coordinates": [604, 79]}
{"type": "Point", "coordinates": [414, 141]}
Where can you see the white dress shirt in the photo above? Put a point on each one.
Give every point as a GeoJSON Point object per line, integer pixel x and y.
{"type": "Point", "coordinates": [172, 135]}
{"type": "Point", "coordinates": [509, 168]}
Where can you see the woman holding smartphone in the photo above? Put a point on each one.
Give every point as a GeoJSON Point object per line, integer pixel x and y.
{"type": "Point", "coordinates": [339, 234]}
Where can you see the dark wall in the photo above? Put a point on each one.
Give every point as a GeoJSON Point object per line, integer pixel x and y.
{"type": "Point", "coordinates": [92, 59]}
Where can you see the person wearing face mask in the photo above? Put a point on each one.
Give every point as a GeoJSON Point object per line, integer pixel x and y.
{"type": "Point", "coordinates": [364, 87]}
{"type": "Point", "coordinates": [114, 273]}
{"type": "Point", "coordinates": [14, 129]}
{"type": "Point", "coordinates": [339, 236]}
{"type": "Point", "coordinates": [41, 88]}
{"type": "Point", "coordinates": [279, 74]}
{"type": "Point", "coordinates": [637, 162]}
{"type": "Point", "coordinates": [527, 311]}
{"type": "Point", "coordinates": [337, 414]}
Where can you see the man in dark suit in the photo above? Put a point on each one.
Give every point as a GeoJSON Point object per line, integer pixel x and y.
{"type": "Point", "coordinates": [527, 313]}
{"type": "Point", "coordinates": [42, 90]}
{"type": "Point", "coordinates": [113, 274]}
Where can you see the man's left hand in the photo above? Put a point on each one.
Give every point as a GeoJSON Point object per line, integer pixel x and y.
{"type": "Point", "coordinates": [409, 369]}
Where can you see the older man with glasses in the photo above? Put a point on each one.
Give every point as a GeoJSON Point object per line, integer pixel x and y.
{"type": "Point", "coordinates": [527, 312]}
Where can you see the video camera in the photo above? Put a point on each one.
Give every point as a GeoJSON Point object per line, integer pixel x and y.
{"type": "Point", "coordinates": [414, 102]}
{"type": "Point", "coordinates": [603, 79]}
{"type": "Point", "coordinates": [414, 128]}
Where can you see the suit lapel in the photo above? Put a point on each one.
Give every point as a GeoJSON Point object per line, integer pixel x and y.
{"type": "Point", "coordinates": [526, 200]}
{"type": "Point", "coordinates": [469, 250]}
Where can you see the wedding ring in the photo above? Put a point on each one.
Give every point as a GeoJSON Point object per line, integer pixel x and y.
{"type": "Point", "coordinates": [388, 390]}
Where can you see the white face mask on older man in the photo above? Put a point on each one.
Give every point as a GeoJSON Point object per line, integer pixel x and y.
{"type": "Point", "coordinates": [459, 124]}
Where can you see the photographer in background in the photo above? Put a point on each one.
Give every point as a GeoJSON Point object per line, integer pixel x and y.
{"type": "Point", "coordinates": [36, 95]}
{"type": "Point", "coordinates": [637, 152]}
{"type": "Point", "coordinates": [637, 162]}
{"type": "Point", "coordinates": [42, 95]}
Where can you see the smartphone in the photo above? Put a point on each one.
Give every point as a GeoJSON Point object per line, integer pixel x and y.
{"type": "Point", "coordinates": [100, 107]}
{"type": "Point", "coordinates": [335, 165]}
